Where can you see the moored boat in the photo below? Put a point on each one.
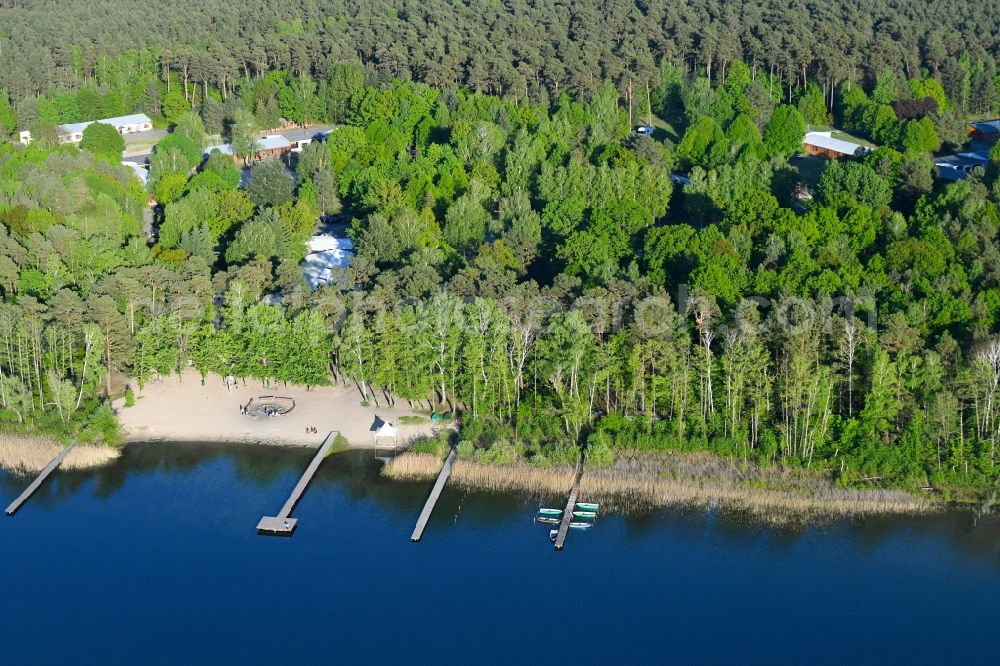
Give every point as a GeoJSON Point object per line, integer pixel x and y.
{"type": "Point", "coordinates": [585, 514]}
{"type": "Point", "coordinates": [548, 520]}
{"type": "Point", "coordinates": [553, 534]}
{"type": "Point", "coordinates": [581, 525]}
{"type": "Point", "coordinates": [587, 506]}
{"type": "Point", "coordinates": [550, 512]}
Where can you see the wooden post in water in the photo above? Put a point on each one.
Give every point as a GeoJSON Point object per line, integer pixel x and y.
{"type": "Point", "coordinates": [44, 474]}
{"type": "Point", "coordinates": [425, 514]}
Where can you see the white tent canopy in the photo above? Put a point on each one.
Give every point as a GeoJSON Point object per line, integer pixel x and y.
{"type": "Point", "coordinates": [384, 430]}
{"type": "Point", "coordinates": [325, 254]}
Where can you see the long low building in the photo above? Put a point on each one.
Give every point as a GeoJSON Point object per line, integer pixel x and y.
{"type": "Point", "coordinates": [985, 130]}
{"type": "Point", "coordinates": [823, 143]}
{"type": "Point", "coordinates": [73, 132]}
{"type": "Point", "coordinates": [958, 166]}
{"type": "Point", "coordinates": [267, 146]}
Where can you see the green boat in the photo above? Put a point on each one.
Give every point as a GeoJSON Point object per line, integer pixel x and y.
{"type": "Point", "coordinates": [587, 506]}
{"type": "Point", "coordinates": [588, 515]}
{"type": "Point", "coordinates": [550, 512]}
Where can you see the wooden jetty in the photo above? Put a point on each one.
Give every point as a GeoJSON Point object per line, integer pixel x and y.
{"type": "Point", "coordinates": [567, 516]}
{"type": "Point", "coordinates": [30, 490]}
{"type": "Point", "coordinates": [283, 524]}
{"type": "Point", "coordinates": [425, 514]}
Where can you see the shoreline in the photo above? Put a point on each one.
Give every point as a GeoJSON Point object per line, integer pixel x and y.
{"type": "Point", "coordinates": [700, 480]}
{"type": "Point", "coordinates": [180, 408]}
{"type": "Point", "coordinates": [638, 483]}
{"type": "Point", "coordinates": [294, 442]}
{"type": "Point", "coordinates": [29, 454]}
{"type": "Point", "coordinates": [184, 409]}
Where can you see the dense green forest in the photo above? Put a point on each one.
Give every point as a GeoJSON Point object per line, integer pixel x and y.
{"type": "Point", "coordinates": [523, 50]}
{"type": "Point", "coordinates": [522, 259]}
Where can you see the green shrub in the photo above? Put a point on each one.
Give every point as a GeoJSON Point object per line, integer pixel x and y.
{"type": "Point", "coordinates": [599, 453]}
{"type": "Point", "coordinates": [101, 427]}
{"type": "Point", "coordinates": [501, 453]}
{"type": "Point", "coordinates": [565, 454]}
{"type": "Point", "coordinates": [541, 461]}
{"type": "Point", "coordinates": [466, 450]}
{"type": "Point", "coordinates": [430, 445]}
{"type": "Point", "coordinates": [340, 443]}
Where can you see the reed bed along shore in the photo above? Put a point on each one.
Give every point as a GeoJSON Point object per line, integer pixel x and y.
{"type": "Point", "coordinates": [641, 480]}
{"type": "Point", "coordinates": [413, 467]}
{"type": "Point", "coordinates": [26, 454]}
{"type": "Point", "coordinates": [704, 480]}
{"type": "Point", "coordinates": [512, 478]}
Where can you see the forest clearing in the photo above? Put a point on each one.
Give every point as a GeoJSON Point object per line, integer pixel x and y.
{"type": "Point", "coordinates": [182, 409]}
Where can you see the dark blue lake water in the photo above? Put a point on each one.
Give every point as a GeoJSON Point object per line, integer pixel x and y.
{"type": "Point", "coordinates": [156, 560]}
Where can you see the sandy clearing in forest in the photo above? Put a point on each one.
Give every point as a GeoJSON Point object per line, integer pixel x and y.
{"type": "Point", "coordinates": [182, 409]}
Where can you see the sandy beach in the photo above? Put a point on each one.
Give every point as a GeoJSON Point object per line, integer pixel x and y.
{"type": "Point", "coordinates": [182, 409]}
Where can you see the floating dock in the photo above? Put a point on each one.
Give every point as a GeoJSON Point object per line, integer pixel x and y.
{"type": "Point", "coordinates": [567, 516]}
{"type": "Point", "coordinates": [44, 474]}
{"type": "Point", "coordinates": [425, 514]}
{"type": "Point", "coordinates": [283, 524]}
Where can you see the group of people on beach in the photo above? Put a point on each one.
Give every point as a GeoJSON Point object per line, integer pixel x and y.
{"type": "Point", "coordinates": [269, 410]}
{"type": "Point", "coordinates": [311, 429]}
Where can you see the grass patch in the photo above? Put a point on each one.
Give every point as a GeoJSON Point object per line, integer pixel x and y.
{"type": "Point", "coordinates": [663, 130]}
{"type": "Point", "coordinates": [413, 419]}
{"type": "Point", "coordinates": [810, 168]}
{"type": "Point", "coordinates": [340, 443]}
{"type": "Point", "coordinates": [844, 136]}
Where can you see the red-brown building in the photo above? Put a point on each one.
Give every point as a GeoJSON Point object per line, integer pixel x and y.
{"type": "Point", "coordinates": [823, 143]}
